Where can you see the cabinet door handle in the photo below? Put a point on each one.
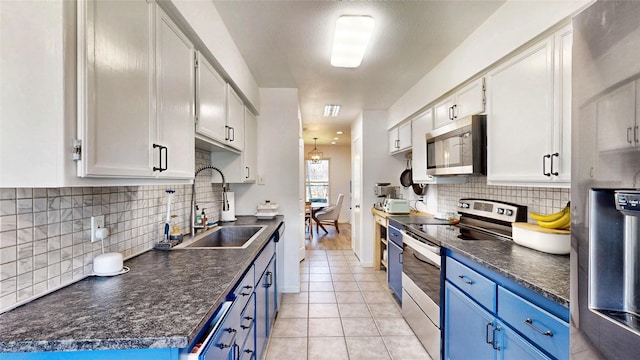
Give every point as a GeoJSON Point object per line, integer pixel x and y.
{"type": "Point", "coordinates": [486, 333]}
{"type": "Point", "coordinates": [166, 155]}
{"type": "Point", "coordinates": [269, 279]}
{"type": "Point", "coordinates": [629, 135]}
{"type": "Point", "coordinates": [455, 116]}
{"type": "Point", "coordinates": [226, 133]}
{"type": "Point", "coordinates": [397, 144]}
{"type": "Point", "coordinates": [450, 112]}
{"type": "Point", "coordinates": [464, 278]}
{"type": "Point", "coordinates": [245, 327]}
{"type": "Point", "coordinates": [248, 172]}
{"type": "Point", "coordinates": [635, 133]}
{"type": "Point", "coordinates": [544, 165]}
{"type": "Point", "coordinates": [400, 259]}
{"type": "Point", "coordinates": [554, 173]}
{"type": "Point", "coordinates": [495, 344]}
{"type": "Point", "coordinates": [529, 322]}
{"type": "Point", "coordinates": [233, 133]}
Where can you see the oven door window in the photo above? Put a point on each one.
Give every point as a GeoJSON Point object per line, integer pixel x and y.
{"type": "Point", "coordinates": [424, 273]}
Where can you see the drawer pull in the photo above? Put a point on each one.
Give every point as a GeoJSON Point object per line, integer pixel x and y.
{"type": "Point", "coordinates": [464, 278]}
{"type": "Point", "coordinates": [249, 288]}
{"type": "Point", "coordinates": [493, 344]}
{"type": "Point", "coordinates": [245, 327]}
{"type": "Point", "coordinates": [231, 342]}
{"type": "Point", "coordinates": [486, 333]}
{"type": "Point", "coordinates": [529, 322]}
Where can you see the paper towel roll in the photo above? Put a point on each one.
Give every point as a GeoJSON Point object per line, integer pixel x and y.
{"type": "Point", "coordinates": [229, 215]}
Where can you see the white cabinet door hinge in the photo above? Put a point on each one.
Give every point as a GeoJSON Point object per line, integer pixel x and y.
{"type": "Point", "coordinates": [195, 57]}
{"type": "Point", "coordinates": [77, 149]}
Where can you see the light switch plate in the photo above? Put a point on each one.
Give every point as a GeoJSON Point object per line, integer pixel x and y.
{"type": "Point", "coordinates": [96, 222]}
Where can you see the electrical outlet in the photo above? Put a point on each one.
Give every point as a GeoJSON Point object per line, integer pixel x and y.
{"type": "Point", "coordinates": [96, 223]}
{"type": "Point", "coordinates": [260, 180]}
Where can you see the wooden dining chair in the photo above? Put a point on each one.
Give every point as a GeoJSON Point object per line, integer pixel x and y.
{"type": "Point", "coordinates": [307, 216]}
{"type": "Point", "coordinates": [329, 215]}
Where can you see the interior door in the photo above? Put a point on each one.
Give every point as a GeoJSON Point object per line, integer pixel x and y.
{"type": "Point", "coordinates": [356, 196]}
{"type": "Point", "coordinates": [301, 199]}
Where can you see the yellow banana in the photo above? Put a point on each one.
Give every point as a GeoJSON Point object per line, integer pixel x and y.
{"type": "Point", "coordinates": [550, 217]}
{"type": "Point", "coordinates": [563, 222]}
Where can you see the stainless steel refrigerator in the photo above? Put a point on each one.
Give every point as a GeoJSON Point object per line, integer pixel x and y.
{"type": "Point", "coordinates": [605, 201]}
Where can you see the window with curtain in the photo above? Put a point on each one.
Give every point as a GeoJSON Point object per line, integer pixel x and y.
{"type": "Point", "coordinates": [317, 181]}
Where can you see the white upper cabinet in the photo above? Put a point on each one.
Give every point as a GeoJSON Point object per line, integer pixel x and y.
{"type": "Point", "coordinates": [467, 101]}
{"type": "Point", "coordinates": [241, 168]}
{"type": "Point", "coordinates": [116, 88]}
{"type": "Point", "coordinates": [400, 138]}
{"type": "Point", "coordinates": [235, 120]}
{"type": "Point", "coordinates": [175, 99]}
{"type": "Point", "coordinates": [211, 106]}
{"type": "Point", "coordinates": [136, 93]}
{"type": "Point", "coordinates": [420, 125]}
{"type": "Point", "coordinates": [528, 126]}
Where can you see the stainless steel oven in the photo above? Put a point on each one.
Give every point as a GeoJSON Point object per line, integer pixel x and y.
{"type": "Point", "coordinates": [421, 290]}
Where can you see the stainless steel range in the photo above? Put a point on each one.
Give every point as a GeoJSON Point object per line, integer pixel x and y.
{"type": "Point", "coordinates": [422, 254]}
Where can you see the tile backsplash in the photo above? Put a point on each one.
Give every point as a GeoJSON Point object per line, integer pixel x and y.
{"type": "Point", "coordinates": [45, 232]}
{"type": "Point", "coordinates": [540, 200]}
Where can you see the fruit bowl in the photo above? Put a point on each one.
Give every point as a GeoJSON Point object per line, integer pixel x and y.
{"type": "Point", "coordinates": [551, 241]}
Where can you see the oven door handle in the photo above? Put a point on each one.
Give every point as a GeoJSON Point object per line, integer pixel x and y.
{"type": "Point", "coordinates": [432, 248]}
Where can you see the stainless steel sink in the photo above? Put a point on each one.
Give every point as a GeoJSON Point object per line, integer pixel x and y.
{"type": "Point", "coordinates": [225, 237]}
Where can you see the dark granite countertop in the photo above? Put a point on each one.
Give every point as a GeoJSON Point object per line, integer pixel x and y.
{"type": "Point", "coordinates": [162, 302]}
{"type": "Point", "coordinates": [543, 273]}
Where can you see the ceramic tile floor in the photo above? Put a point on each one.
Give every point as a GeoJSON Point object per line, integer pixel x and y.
{"type": "Point", "coordinates": [344, 311]}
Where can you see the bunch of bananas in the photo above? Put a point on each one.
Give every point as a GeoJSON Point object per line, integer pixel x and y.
{"type": "Point", "coordinates": [558, 220]}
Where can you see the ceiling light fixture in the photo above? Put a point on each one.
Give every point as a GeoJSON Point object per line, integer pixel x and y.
{"type": "Point", "coordinates": [315, 155]}
{"type": "Point", "coordinates": [339, 132]}
{"type": "Point", "coordinates": [333, 143]}
{"type": "Point", "coordinates": [331, 110]}
{"type": "Point", "coordinates": [350, 40]}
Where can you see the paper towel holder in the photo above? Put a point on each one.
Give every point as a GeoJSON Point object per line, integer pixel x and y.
{"type": "Point", "coordinates": [229, 215]}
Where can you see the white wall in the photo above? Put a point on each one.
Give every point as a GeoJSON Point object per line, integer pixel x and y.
{"type": "Point", "coordinates": [339, 174]}
{"type": "Point", "coordinates": [511, 26]}
{"type": "Point", "coordinates": [205, 21]}
{"type": "Point", "coordinates": [279, 166]}
{"type": "Point", "coordinates": [377, 166]}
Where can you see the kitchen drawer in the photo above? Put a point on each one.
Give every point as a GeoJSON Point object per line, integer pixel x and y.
{"type": "Point", "coordinates": [542, 328]}
{"type": "Point", "coordinates": [395, 235]}
{"type": "Point", "coordinates": [247, 320]}
{"type": "Point", "coordinates": [248, 351]}
{"type": "Point", "coordinates": [478, 287]}
{"type": "Point", "coordinates": [245, 287]}
{"type": "Point", "coordinates": [263, 260]}
{"type": "Point", "coordinates": [381, 220]}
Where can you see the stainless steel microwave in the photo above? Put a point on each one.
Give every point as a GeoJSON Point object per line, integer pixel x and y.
{"type": "Point", "coordinates": [459, 148]}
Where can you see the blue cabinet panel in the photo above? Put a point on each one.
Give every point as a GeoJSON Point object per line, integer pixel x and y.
{"type": "Point", "coordinates": [138, 354]}
{"type": "Point", "coordinates": [394, 273]}
{"type": "Point", "coordinates": [468, 328]}
{"type": "Point", "coordinates": [514, 347]}
{"type": "Point", "coordinates": [539, 326]}
{"type": "Point", "coordinates": [478, 287]}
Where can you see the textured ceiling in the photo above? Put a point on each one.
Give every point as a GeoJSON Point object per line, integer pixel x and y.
{"type": "Point", "coordinates": [288, 44]}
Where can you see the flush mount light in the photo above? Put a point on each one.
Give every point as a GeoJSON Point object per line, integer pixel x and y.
{"type": "Point", "coordinates": [333, 143]}
{"type": "Point", "coordinates": [350, 40]}
{"type": "Point", "coordinates": [331, 110]}
{"type": "Point", "coordinates": [339, 132]}
{"type": "Point", "coordinates": [336, 138]}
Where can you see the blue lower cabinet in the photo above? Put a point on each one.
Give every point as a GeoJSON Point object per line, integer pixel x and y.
{"type": "Point", "coordinates": [468, 328]}
{"type": "Point", "coordinates": [138, 354]}
{"type": "Point", "coordinates": [487, 316]}
{"type": "Point", "coordinates": [394, 273]}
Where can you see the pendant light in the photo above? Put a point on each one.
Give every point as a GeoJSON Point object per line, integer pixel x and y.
{"type": "Point", "coordinates": [315, 155]}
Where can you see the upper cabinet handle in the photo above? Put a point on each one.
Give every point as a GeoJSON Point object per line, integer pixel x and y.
{"type": "Point", "coordinates": [226, 133]}
{"type": "Point", "coordinates": [166, 155]}
{"type": "Point", "coordinates": [455, 113]}
{"type": "Point", "coordinates": [554, 173]}
{"type": "Point", "coordinates": [635, 133]}
{"type": "Point", "coordinates": [544, 165]}
{"type": "Point", "coordinates": [233, 133]}
{"type": "Point", "coordinates": [451, 113]}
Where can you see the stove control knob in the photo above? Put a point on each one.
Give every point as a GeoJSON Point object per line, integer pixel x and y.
{"type": "Point", "coordinates": [500, 211]}
{"type": "Point", "coordinates": [508, 212]}
{"type": "Point", "coordinates": [459, 204]}
{"type": "Point", "coordinates": [465, 205]}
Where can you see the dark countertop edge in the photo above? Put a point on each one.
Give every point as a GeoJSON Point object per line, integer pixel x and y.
{"type": "Point", "coordinates": [549, 294]}
{"type": "Point", "coordinates": [144, 342]}
{"type": "Point", "coordinates": [93, 344]}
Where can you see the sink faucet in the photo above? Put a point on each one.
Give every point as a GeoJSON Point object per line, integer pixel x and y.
{"type": "Point", "coordinates": [225, 202]}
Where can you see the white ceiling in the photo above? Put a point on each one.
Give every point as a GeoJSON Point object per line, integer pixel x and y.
{"type": "Point", "coordinates": [288, 44]}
